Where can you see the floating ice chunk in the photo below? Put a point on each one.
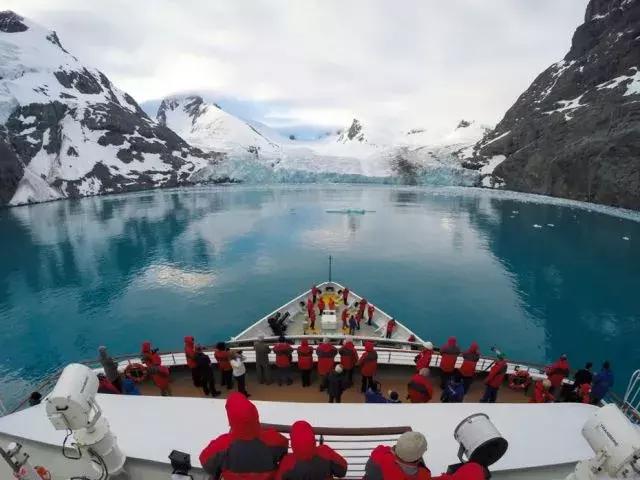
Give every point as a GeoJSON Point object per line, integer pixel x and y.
{"type": "Point", "coordinates": [535, 225]}
{"type": "Point", "coordinates": [626, 238]}
{"type": "Point", "coordinates": [550, 225]}
{"type": "Point", "coordinates": [515, 212]}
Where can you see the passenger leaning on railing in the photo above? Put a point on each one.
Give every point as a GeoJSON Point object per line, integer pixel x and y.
{"type": "Point", "coordinates": [467, 370]}
{"type": "Point", "coordinates": [222, 354]}
{"type": "Point", "coordinates": [305, 362]}
{"type": "Point", "coordinates": [248, 450]}
{"type": "Point", "coordinates": [326, 360]}
{"type": "Point", "coordinates": [448, 358]}
{"type": "Point", "coordinates": [308, 460]}
{"type": "Point", "coordinates": [368, 365]}
{"type": "Point", "coordinates": [110, 367]}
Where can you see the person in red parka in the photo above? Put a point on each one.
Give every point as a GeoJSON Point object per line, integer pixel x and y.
{"type": "Point", "coordinates": [326, 359]}
{"type": "Point", "coordinates": [312, 320]}
{"type": "Point", "coordinates": [467, 370]}
{"type": "Point", "coordinates": [391, 325]}
{"type": "Point", "coordinates": [150, 355]}
{"type": "Point", "coordinates": [315, 292]}
{"type": "Point", "coordinates": [309, 306]}
{"type": "Point", "coordinates": [190, 354]}
{"type": "Point", "coordinates": [308, 460]}
{"type": "Point", "coordinates": [222, 356]}
{"type": "Point", "coordinates": [305, 362]}
{"type": "Point", "coordinates": [248, 450]}
{"type": "Point", "coordinates": [467, 471]}
{"type": "Point", "coordinates": [332, 304]}
{"type": "Point", "coordinates": [345, 318]}
{"type": "Point", "coordinates": [348, 360]}
{"type": "Point", "coordinates": [368, 366]}
{"type": "Point", "coordinates": [541, 392]}
{"type": "Point", "coordinates": [371, 310]}
{"type": "Point", "coordinates": [105, 386]}
{"type": "Point", "coordinates": [321, 306]}
{"type": "Point", "coordinates": [419, 389]}
{"type": "Point", "coordinates": [557, 372]}
{"type": "Point", "coordinates": [161, 377]}
{"type": "Point", "coordinates": [403, 461]}
{"type": "Point", "coordinates": [362, 306]}
{"type": "Point", "coordinates": [494, 380]}
{"type": "Point", "coordinates": [345, 296]}
{"type": "Point", "coordinates": [423, 359]}
{"type": "Point", "coordinates": [283, 352]}
{"type": "Point", "coordinates": [448, 357]}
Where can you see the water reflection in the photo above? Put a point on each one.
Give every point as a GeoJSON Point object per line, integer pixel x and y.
{"type": "Point", "coordinates": [207, 262]}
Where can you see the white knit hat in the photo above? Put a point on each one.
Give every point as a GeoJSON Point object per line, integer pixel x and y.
{"type": "Point", "coordinates": [410, 447]}
{"type": "Point", "coordinates": [338, 368]}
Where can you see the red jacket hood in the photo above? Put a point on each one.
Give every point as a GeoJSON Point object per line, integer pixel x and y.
{"type": "Point", "coordinates": [303, 440]}
{"type": "Point", "coordinates": [468, 470]}
{"type": "Point", "coordinates": [243, 417]}
{"type": "Point", "coordinates": [473, 348]}
{"type": "Point", "coordinates": [146, 347]}
{"type": "Point", "coordinates": [189, 341]}
{"type": "Point", "coordinates": [368, 346]}
{"type": "Point", "coordinates": [349, 345]}
{"type": "Point", "coordinates": [451, 342]}
{"type": "Point", "coordinates": [305, 343]}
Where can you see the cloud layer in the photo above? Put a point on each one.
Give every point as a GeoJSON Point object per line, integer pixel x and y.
{"type": "Point", "coordinates": [406, 63]}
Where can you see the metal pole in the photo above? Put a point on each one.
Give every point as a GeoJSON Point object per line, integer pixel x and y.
{"type": "Point", "coordinates": [330, 268]}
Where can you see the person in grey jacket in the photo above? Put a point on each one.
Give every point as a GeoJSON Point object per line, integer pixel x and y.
{"type": "Point", "coordinates": [263, 368]}
{"type": "Point", "coordinates": [110, 368]}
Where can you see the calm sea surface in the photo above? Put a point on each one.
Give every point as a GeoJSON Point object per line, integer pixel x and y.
{"type": "Point", "coordinates": [534, 279]}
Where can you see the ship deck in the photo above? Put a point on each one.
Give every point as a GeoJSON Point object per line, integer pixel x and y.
{"type": "Point", "coordinates": [391, 377]}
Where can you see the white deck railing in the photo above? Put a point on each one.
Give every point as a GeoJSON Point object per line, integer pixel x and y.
{"type": "Point", "coordinates": [631, 401]}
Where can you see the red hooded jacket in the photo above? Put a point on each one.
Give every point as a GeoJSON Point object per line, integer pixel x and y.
{"type": "Point", "coordinates": [371, 310]}
{"type": "Point", "coordinates": [308, 460]}
{"type": "Point", "coordinates": [557, 372]}
{"type": "Point", "coordinates": [470, 360]}
{"type": "Point", "coordinates": [190, 351]}
{"type": "Point", "coordinates": [368, 360]}
{"type": "Point", "coordinates": [222, 357]}
{"type": "Point", "coordinates": [423, 359]}
{"type": "Point", "coordinates": [540, 395]}
{"type": "Point", "coordinates": [345, 295]}
{"type": "Point", "coordinates": [247, 452]}
{"type": "Point", "coordinates": [469, 471]}
{"type": "Point", "coordinates": [148, 357]}
{"type": "Point", "coordinates": [345, 317]}
{"type": "Point", "coordinates": [283, 353]}
{"type": "Point", "coordinates": [348, 356]}
{"type": "Point", "coordinates": [361, 306]}
{"type": "Point", "coordinates": [449, 353]}
{"type": "Point", "coordinates": [161, 377]}
{"type": "Point", "coordinates": [497, 374]}
{"type": "Point", "coordinates": [382, 465]}
{"type": "Point", "coordinates": [420, 389]}
{"type": "Point", "coordinates": [309, 305]}
{"type": "Point", "coordinates": [305, 356]}
{"type": "Point", "coordinates": [391, 324]}
{"type": "Point", "coordinates": [326, 358]}
{"type": "Point", "coordinates": [321, 305]}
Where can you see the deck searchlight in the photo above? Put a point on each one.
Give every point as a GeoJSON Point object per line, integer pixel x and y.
{"type": "Point", "coordinates": [616, 442]}
{"type": "Point", "coordinates": [480, 441]}
{"type": "Point", "coordinates": [72, 406]}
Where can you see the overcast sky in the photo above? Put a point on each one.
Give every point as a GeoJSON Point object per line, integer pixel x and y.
{"type": "Point", "coordinates": [292, 63]}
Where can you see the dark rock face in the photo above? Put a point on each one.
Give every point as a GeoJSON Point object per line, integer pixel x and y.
{"type": "Point", "coordinates": [11, 168]}
{"type": "Point", "coordinates": [355, 131]}
{"type": "Point", "coordinates": [575, 133]}
{"type": "Point", "coordinates": [11, 22]}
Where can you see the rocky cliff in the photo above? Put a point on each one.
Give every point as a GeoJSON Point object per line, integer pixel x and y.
{"type": "Point", "coordinates": [67, 131]}
{"type": "Point", "coordinates": [575, 133]}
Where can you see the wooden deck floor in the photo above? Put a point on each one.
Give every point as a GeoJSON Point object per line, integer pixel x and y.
{"type": "Point", "coordinates": [391, 378]}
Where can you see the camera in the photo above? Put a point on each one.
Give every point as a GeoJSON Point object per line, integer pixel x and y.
{"type": "Point", "coordinates": [180, 464]}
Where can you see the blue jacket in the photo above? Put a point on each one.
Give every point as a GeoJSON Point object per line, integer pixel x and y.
{"type": "Point", "coordinates": [602, 382]}
{"type": "Point", "coordinates": [374, 397]}
{"type": "Point", "coordinates": [453, 393]}
{"type": "Point", "coordinates": [129, 387]}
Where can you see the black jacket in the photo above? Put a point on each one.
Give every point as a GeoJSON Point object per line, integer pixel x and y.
{"type": "Point", "coordinates": [336, 383]}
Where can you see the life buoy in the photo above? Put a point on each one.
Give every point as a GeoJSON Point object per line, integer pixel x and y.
{"type": "Point", "coordinates": [519, 380]}
{"type": "Point", "coordinates": [136, 372]}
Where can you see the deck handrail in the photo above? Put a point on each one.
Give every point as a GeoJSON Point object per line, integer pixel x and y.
{"type": "Point", "coordinates": [345, 431]}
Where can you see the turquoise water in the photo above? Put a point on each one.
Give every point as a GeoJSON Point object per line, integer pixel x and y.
{"type": "Point", "coordinates": [208, 262]}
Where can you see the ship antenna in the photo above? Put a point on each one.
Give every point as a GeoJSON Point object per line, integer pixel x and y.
{"type": "Point", "coordinates": [330, 259]}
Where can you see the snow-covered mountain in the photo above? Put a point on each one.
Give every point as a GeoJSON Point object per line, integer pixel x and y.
{"type": "Point", "coordinates": [67, 131]}
{"type": "Point", "coordinates": [575, 132]}
{"type": "Point", "coordinates": [256, 153]}
{"type": "Point", "coordinates": [207, 126]}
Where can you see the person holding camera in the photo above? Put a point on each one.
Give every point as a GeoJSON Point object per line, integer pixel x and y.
{"type": "Point", "coordinates": [239, 371]}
